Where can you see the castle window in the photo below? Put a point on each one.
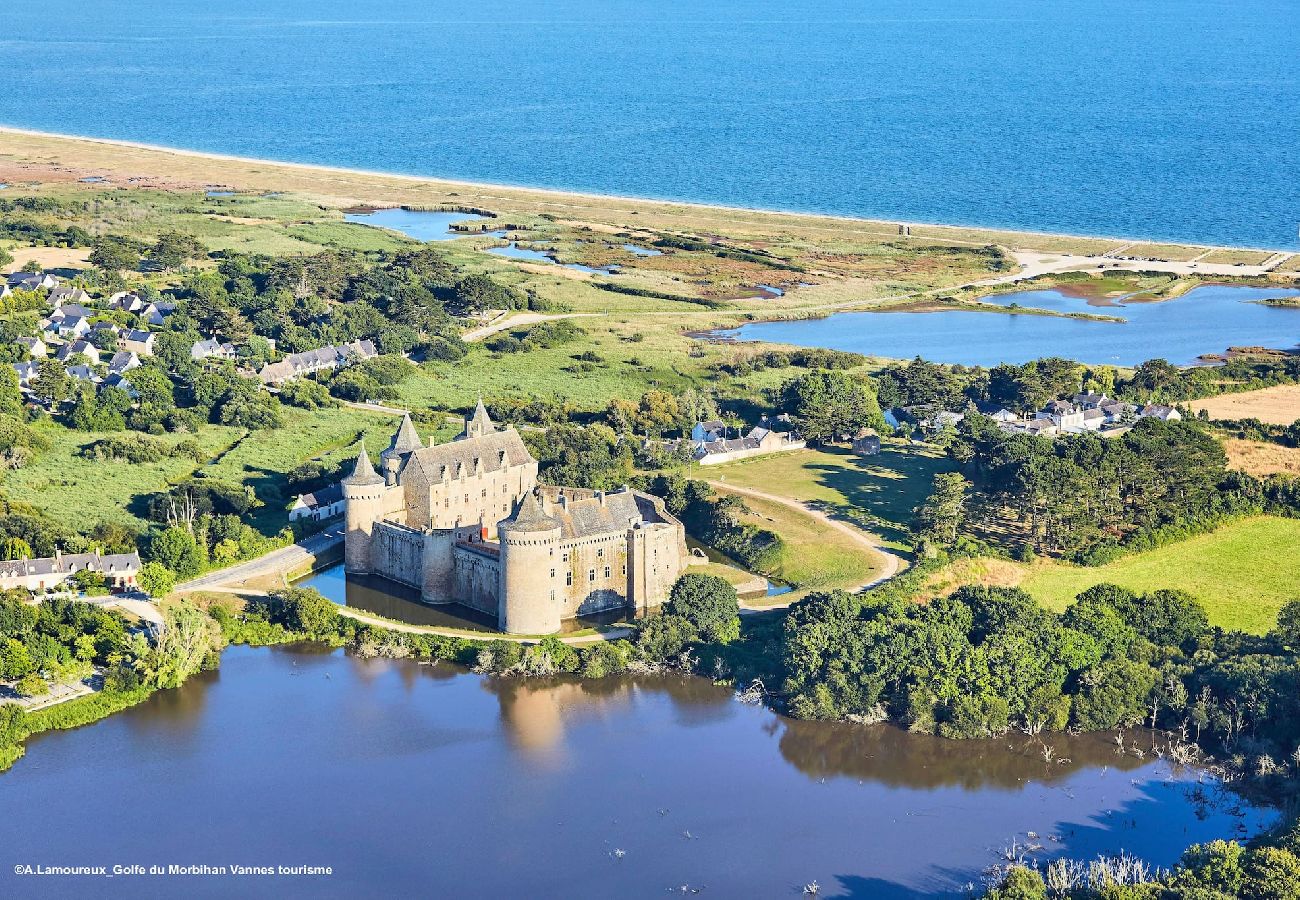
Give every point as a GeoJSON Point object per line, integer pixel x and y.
{"type": "Point", "coordinates": [624, 568]}
{"type": "Point", "coordinates": [484, 492]}
{"type": "Point", "coordinates": [568, 579]}
{"type": "Point", "coordinates": [566, 557]}
{"type": "Point", "coordinates": [600, 552]}
{"type": "Point", "coordinates": [446, 503]}
{"type": "Point", "coordinates": [552, 573]}
{"type": "Point", "coordinates": [606, 571]}
{"type": "Point", "coordinates": [591, 574]}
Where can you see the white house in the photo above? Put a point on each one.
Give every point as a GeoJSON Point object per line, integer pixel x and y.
{"type": "Point", "coordinates": [49, 573]}
{"type": "Point", "coordinates": [35, 347]}
{"type": "Point", "coordinates": [319, 505]}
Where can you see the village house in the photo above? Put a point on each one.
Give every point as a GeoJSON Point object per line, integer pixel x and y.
{"type": "Point", "coordinates": [713, 449]}
{"type": "Point", "coordinates": [1082, 414]}
{"type": "Point", "coordinates": [326, 358]}
{"type": "Point", "coordinates": [210, 348]}
{"type": "Point", "coordinates": [318, 505]}
{"type": "Point", "coordinates": [138, 342]}
{"type": "Point", "coordinates": [27, 373]}
{"type": "Point", "coordinates": [126, 301]}
{"type": "Point", "coordinates": [52, 572]}
{"type": "Point", "coordinates": [120, 381]}
{"type": "Point", "coordinates": [123, 361]}
{"type": "Point", "coordinates": [156, 313]}
{"type": "Point", "coordinates": [35, 347]}
{"type": "Point", "coordinates": [82, 372]}
{"type": "Point", "coordinates": [32, 281]}
{"type": "Point", "coordinates": [78, 349]}
{"type": "Point", "coordinates": [66, 294]}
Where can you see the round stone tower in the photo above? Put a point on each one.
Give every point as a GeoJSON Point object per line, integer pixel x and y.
{"type": "Point", "coordinates": [528, 602]}
{"type": "Point", "coordinates": [363, 492]}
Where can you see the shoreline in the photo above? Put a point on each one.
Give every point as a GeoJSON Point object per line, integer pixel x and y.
{"type": "Point", "coordinates": [556, 193]}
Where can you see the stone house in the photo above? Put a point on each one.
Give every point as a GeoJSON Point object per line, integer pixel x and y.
{"type": "Point", "coordinates": [329, 358]}
{"type": "Point", "coordinates": [51, 572]}
{"type": "Point", "coordinates": [137, 342]}
{"type": "Point", "coordinates": [319, 505]}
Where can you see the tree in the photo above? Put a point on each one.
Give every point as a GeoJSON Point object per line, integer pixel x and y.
{"type": "Point", "coordinates": [114, 254]}
{"type": "Point", "coordinates": [15, 548]}
{"type": "Point", "coordinates": [709, 604]}
{"type": "Point", "coordinates": [663, 637]}
{"type": "Point", "coordinates": [155, 579]}
{"type": "Point", "coordinates": [11, 397]}
{"type": "Point", "coordinates": [15, 660]}
{"type": "Point", "coordinates": [475, 293]}
{"type": "Point", "coordinates": [51, 384]}
{"type": "Point", "coordinates": [941, 518]}
{"type": "Point", "coordinates": [1288, 625]}
{"type": "Point", "coordinates": [32, 685]}
{"type": "Point", "coordinates": [305, 610]}
{"type": "Point", "coordinates": [826, 405]}
{"type": "Point", "coordinates": [176, 549]}
{"type": "Point", "coordinates": [173, 249]}
{"type": "Point", "coordinates": [1020, 883]}
{"type": "Point", "coordinates": [190, 637]}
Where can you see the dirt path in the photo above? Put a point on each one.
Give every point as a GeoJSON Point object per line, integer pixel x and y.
{"type": "Point", "coordinates": [891, 562]}
{"type": "Point", "coordinates": [477, 334]}
{"type": "Point", "coordinates": [573, 641]}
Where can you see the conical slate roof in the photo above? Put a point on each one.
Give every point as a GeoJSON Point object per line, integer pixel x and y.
{"type": "Point", "coordinates": [406, 439]}
{"type": "Point", "coordinates": [529, 516]}
{"type": "Point", "coordinates": [363, 472]}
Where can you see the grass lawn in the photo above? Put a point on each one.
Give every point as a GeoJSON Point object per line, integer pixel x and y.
{"type": "Point", "coordinates": [816, 556]}
{"type": "Point", "coordinates": [879, 492]}
{"type": "Point", "coordinates": [1242, 573]}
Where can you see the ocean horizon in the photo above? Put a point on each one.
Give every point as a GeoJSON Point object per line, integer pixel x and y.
{"type": "Point", "coordinates": [1166, 121]}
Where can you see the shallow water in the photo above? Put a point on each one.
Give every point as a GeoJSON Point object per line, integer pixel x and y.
{"type": "Point", "coordinates": [423, 225]}
{"type": "Point", "coordinates": [425, 780]}
{"type": "Point", "coordinates": [1208, 319]}
{"type": "Point", "coordinates": [1157, 119]}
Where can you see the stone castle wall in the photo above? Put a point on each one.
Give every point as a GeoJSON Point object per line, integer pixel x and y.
{"type": "Point", "coordinates": [476, 578]}
{"type": "Point", "coordinates": [397, 553]}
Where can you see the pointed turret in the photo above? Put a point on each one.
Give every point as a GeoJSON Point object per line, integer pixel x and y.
{"type": "Point", "coordinates": [480, 423]}
{"type": "Point", "coordinates": [406, 439]}
{"type": "Point", "coordinates": [529, 516]}
{"type": "Point", "coordinates": [363, 472]}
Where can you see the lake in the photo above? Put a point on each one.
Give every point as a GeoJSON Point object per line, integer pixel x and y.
{"type": "Point", "coordinates": [416, 780]}
{"type": "Point", "coordinates": [1156, 119]}
{"type": "Point", "coordinates": [1208, 319]}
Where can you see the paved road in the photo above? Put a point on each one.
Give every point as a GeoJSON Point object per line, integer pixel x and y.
{"type": "Point", "coordinates": [286, 559]}
{"type": "Point", "coordinates": [891, 562]}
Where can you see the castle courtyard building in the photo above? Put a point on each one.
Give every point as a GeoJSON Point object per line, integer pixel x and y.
{"type": "Point", "coordinates": [466, 522]}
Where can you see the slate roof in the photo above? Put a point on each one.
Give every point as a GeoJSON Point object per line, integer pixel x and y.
{"type": "Point", "coordinates": [112, 563]}
{"type": "Point", "coordinates": [581, 517]}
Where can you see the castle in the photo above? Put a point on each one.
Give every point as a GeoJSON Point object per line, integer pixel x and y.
{"type": "Point", "coordinates": [466, 522]}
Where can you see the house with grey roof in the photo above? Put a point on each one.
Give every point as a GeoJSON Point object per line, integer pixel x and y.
{"type": "Point", "coordinates": [83, 373]}
{"type": "Point", "coordinates": [79, 349]}
{"type": "Point", "coordinates": [27, 373]}
{"type": "Point", "coordinates": [51, 573]}
{"type": "Point", "coordinates": [119, 380]}
{"type": "Point", "coordinates": [138, 342]}
{"type": "Point", "coordinates": [35, 347]}
{"type": "Point", "coordinates": [68, 294]}
{"type": "Point", "coordinates": [32, 281]}
{"type": "Point", "coordinates": [123, 361]}
{"type": "Point", "coordinates": [126, 301]}
{"type": "Point", "coordinates": [331, 358]}
{"type": "Point", "coordinates": [157, 313]}
{"type": "Point", "coordinates": [318, 505]}
{"type": "Point", "coordinates": [211, 348]}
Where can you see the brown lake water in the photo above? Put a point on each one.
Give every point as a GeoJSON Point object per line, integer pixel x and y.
{"type": "Point", "coordinates": [415, 780]}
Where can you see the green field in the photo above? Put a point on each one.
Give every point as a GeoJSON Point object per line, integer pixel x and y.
{"type": "Point", "coordinates": [1242, 573]}
{"type": "Point", "coordinates": [815, 556]}
{"type": "Point", "coordinates": [879, 492]}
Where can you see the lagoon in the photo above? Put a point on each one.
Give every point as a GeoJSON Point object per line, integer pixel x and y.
{"type": "Point", "coordinates": [1208, 319]}
{"type": "Point", "coordinates": [1154, 120]}
{"type": "Point", "coordinates": [426, 780]}
{"type": "Point", "coordinates": [422, 225]}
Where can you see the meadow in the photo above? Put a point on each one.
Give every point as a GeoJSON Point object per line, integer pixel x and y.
{"type": "Point", "coordinates": [1242, 573]}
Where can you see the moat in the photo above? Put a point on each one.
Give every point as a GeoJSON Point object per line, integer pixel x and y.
{"type": "Point", "coordinates": [414, 779]}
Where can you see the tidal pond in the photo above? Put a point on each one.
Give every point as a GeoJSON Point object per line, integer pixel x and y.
{"type": "Point", "coordinates": [425, 780]}
{"type": "Point", "coordinates": [420, 224]}
{"type": "Point", "coordinates": [1208, 319]}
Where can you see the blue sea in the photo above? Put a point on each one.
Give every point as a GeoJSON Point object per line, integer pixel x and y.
{"type": "Point", "coordinates": [1166, 119]}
